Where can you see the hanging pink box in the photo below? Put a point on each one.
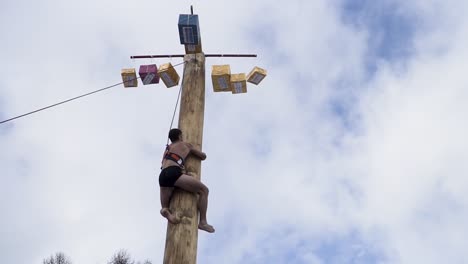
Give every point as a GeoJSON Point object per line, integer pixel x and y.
{"type": "Point", "coordinates": [149, 74]}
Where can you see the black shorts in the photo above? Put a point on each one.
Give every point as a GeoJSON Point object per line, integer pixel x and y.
{"type": "Point", "coordinates": [169, 176]}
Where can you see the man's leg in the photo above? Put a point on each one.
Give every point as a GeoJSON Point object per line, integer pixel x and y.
{"type": "Point", "coordinates": [166, 193]}
{"type": "Point", "coordinates": [193, 185]}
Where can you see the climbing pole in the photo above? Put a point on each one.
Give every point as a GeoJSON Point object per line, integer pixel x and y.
{"type": "Point", "coordinates": [182, 238]}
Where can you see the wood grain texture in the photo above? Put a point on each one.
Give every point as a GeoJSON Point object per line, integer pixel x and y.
{"type": "Point", "coordinates": [181, 239]}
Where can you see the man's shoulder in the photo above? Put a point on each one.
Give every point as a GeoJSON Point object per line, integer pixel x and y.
{"type": "Point", "coordinates": [183, 145]}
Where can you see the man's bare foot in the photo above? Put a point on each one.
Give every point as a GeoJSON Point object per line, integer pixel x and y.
{"type": "Point", "coordinates": [206, 227]}
{"type": "Point", "coordinates": [170, 217]}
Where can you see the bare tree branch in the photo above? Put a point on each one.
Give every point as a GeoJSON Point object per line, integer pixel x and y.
{"type": "Point", "coordinates": [123, 257]}
{"type": "Point", "coordinates": [59, 258]}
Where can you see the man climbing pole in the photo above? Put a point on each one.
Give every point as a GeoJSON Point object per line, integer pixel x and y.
{"type": "Point", "coordinates": [172, 176]}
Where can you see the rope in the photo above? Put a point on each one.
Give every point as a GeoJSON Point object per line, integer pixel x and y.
{"type": "Point", "coordinates": [177, 103]}
{"type": "Point", "coordinates": [66, 101]}
{"type": "Point", "coordinates": [77, 97]}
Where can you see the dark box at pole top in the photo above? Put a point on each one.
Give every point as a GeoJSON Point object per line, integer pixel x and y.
{"type": "Point", "coordinates": [149, 74]}
{"type": "Point", "coordinates": [189, 29]}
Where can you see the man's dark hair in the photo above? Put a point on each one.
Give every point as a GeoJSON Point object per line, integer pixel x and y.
{"type": "Point", "coordinates": [174, 134]}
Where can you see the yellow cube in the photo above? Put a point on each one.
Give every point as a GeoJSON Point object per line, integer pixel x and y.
{"type": "Point", "coordinates": [238, 83]}
{"type": "Point", "coordinates": [168, 75]}
{"type": "Point", "coordinates": [256, 75]}
{"type": "Point", "coordinates": [129, 78]}
{"type": "Point", "coordinates": [221, 76]}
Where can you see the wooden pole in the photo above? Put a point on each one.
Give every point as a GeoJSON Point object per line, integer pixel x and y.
{"type": "Point", "coordinates": [181, 239]}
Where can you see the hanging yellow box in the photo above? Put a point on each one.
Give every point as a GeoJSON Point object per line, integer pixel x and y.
{"type": "Point", "coordinates": [168, 75]}
{"type": "Point", "coordinates": [129, 78]}
{"type": "Point", "coordinates": [221, 77]}
{"type": "Point", "coordinates": [256, 75]}
{"type": "Point", "coordinates": [238, 83]}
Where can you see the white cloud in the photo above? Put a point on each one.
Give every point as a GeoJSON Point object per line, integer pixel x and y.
{"type": "Point", "coordinates": [286, 175]}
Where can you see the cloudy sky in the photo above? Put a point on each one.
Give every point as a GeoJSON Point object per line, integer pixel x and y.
{"type": "Point", "coordinates": [352, 150]}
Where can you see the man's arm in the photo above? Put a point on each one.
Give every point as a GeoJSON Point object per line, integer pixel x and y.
{"type": "Point", "coordinates": [196, 152]}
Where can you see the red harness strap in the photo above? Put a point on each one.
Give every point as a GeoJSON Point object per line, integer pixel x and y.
{"type": "Point", "coordinates": [174, 157]}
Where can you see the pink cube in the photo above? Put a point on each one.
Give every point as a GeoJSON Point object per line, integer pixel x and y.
{"type": "Point", "coordinates": [149, 74]}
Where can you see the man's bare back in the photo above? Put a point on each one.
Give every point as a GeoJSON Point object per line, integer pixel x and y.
{"type": "Point", "coordinates": [182, 149]}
